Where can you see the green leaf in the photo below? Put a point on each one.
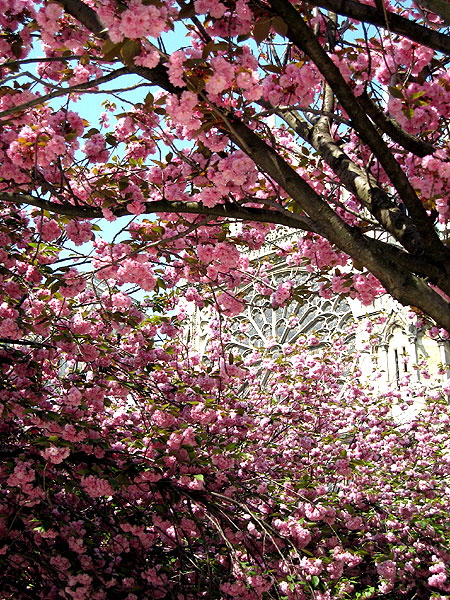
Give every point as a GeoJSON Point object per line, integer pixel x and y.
{"type": "Point", "coordinates": [395, 92]}
{"type": "Point", "coordinates": [280, 26]}
{"type": "Point", "coordinates": [129, 50]}
{"type": "Point", "coordinates": [186, 12]}
{"type": "Point", "coordinates": [149, 99]}
{"type": "Point", "coordinates": [207, 49]}
{"type": "Point", "coordinates": [69, 137]}
{"type": "Point", "coordinates": [111, 139]}
{"type": "Point", "coordinates": [111, 50]}
{"type": "Point", "coordinates": [272, 69]}
{"type": "Point", "coordinates": [92, 131]}
{"type": "Point", "coordinates": [261, 29]}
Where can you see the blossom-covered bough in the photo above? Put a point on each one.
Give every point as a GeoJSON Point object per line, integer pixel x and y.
{"type": "Point", "coordinates": [358, 148]}
{"type": "Point", "coordinates": [129, 468]}
{"type": "Point", "coordinates": [141, 474]}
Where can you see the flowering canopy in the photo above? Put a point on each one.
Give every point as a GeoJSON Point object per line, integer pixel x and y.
{"type": "Point", "coordinates": [130, 469]}
{"type": "Point", "coordinates": [328, 117]}
{"type": "Point", "coordinates": [141, 473]}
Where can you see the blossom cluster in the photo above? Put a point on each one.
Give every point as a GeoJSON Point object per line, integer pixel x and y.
{"type": "Point", "coordinates": [301, 485]}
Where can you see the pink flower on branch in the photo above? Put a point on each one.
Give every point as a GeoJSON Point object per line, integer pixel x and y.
{"type": "Point", "coordinates": [55, 454]}
{"type": "Point", "coordinates": [96, 487]}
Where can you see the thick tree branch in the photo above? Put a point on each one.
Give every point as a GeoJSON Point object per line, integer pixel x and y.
{"type": "Point", "coordinates": [402, 285]}
{"type": "Point", "coordinates": [359, 183]}
{"type": "Point", "coordinates": [300, 34]}
{"type": "Point", "coordinates": [159, 77]}
{"type": "Point", "coordinates": [420, 266]}
{"type": "Point", "coordinates": [440, 7]}
{"type": "Point", "coordinates": [397, 24]}
{"type": "Point", "coordinates": [225, 211]}
{"type": "Point", "coordinates": [307, 110]}
{"type": "Point", "coordinates": [85, 15]}
{"type": "Point", "coordinates": [393, 129]}
{"type": "Point", "coordinates": [88, 17]}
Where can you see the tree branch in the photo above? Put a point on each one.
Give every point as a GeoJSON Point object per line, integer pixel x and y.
{"type": "Point", "coordinates": [359, 183]}
{"type": "Point", "coordinates": [300, 34]}
{"type": "Point", "coordinates": [33, 344]}
{"type": "Point", "coordinates": [14, 64]}
{"type": "Point", "coordinates": [281, 110]}
{"type": "Point", "coordinates": [401, 283]}
{"type": "Point", "coordinates": [88, 17]}
{"type": "Point", "coordinates": [418, 265]}
{"type": "Point", "coordinates": [393, 130]}
{"type": "Point", "coordinates": [397, 24]}
{"type": "Point", "coordinates": [225, 211]}
{"type": "Point", "coordinates": [85, 15]}
{"type": "Point", "coordinates": [65, 91]}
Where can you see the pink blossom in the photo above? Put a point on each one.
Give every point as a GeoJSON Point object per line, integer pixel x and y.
{"type": "Point", "coordinates": [214, 7]}
{"type": "Point", "coordinates": [48, 228]}
{"type": "Point", "coordinates": [301, 536]}
{"type": "Point", "coordinates": [23, 474]}
{"type": "Point", "coordinates": [229, 304]}
{"type": "Point", "coordinates": [141, 20]}
{"type": "Point", "coordinates": [148, 58]}
{"type": "Point", "coordinates": [89, 353]}
{"type": "Point", "coordinates": [311, 566]}
{"type": "Point", "coordinates": [438, 580]}
{"type": "Point", "coordinates": [55, 454]}
{"type": "Point", "coordinates": [282, 293]}
{"type": "Point", "coordinates": [176, 61]}
{"type": "Point", "coordinates": [10, 329]}
{"type": "Point", "coordinates": [387, 569]}
{"type": "Point", "coordinates": [137, 271]}
{"type": "Point", "coordinates": [73, 397]}
{"type": "Point", "coordinates": [95, 148]}
{"type": "Point", "coordinates": [79, 232]}
{"type": "Point", "coordinates": [121, 301]}
{"type": "Point", "coordinates": [96, 487]}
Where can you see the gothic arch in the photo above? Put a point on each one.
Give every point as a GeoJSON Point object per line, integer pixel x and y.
{"type": "Point", "coordinates": [405, 349]}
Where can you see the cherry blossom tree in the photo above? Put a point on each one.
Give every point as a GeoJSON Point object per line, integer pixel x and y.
{"type": "Point", "coordinates": [330, 118]}
{"type": "Point", "coordinates": [140, 472]}
{"type": "Point", "coordinates": [147, 148]}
